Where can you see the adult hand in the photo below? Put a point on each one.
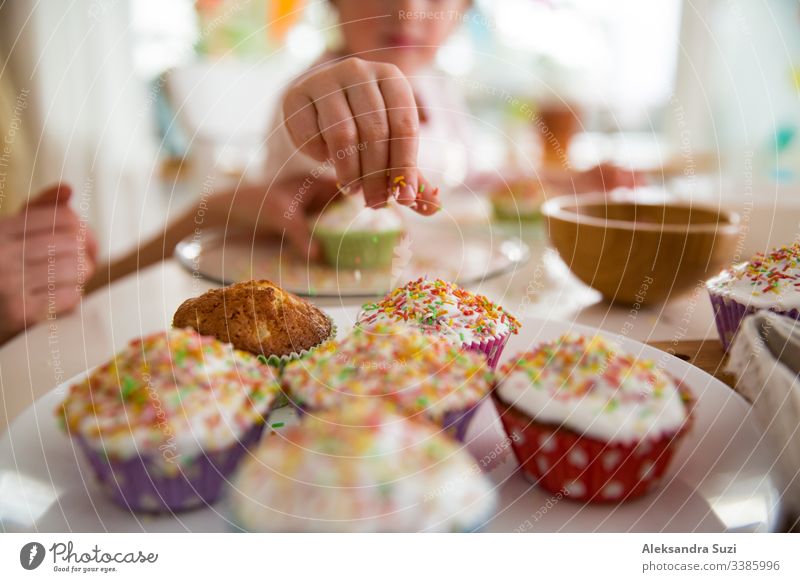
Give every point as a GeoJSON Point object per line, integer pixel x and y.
{"type": "Point", "coordinates": [45, 257]}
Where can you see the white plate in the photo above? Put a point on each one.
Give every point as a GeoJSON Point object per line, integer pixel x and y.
{"type": "Point", "coordinates": [464, 256]}
{"type": "Point", "coordinates": [719, 479]}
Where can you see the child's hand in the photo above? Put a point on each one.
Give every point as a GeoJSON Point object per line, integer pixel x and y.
{"type": "Point", "coordinates": [362, 115]}
{"type": "Point", "coordinates": [43, 261]}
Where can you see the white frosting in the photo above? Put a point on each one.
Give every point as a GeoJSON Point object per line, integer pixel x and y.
{"type": "Point", "coordinates": [586, 385]}
{"type": "Point", "coordinates": [763, 282]}
{"type": "Point", "coordinates": [351, 215]}
{"type": "Point", "coordinates": [440, 308]}
{"type": "Point", "coordinates": [331, 474]}
{"type": "Point", "coordinates": [170, 396]}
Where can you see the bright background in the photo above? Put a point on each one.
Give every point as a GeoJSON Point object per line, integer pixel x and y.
{"type": "Point", "coordinates": [143, 104]}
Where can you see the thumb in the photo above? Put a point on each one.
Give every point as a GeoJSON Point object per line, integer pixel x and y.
{"type": "Point", "coordinates": [57, 194]}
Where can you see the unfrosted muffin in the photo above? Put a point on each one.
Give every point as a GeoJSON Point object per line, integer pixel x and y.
{"type": "Point", "coordinates": [360, 469]}
{"type": "Point", "coordinates": [765, 282]}
{"type": "Point", "coordinates": [590, 421]}
{"type": "Point", "coordinates": [419, 374]}
{"type": "Point", "coordinates": [443, 309]}
{"type": "Point", "coordinates": [258, 317]}
{"type": "Point", "coordinates": [166, 421]}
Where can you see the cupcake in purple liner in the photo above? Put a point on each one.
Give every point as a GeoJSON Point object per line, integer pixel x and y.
{"type": "Point", "coordinates": [445, 310]}
{"type": "Point", "coordinates": [360, 468]}
{"type": "Point", "coordinates": [165, 422]}
{"type": "Point", "coordinates": [765, 282]}
{"type": "Point", "coordinates": [419, 374]}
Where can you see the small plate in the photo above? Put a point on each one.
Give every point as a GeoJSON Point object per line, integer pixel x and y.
{"type": "Point", "coordinates": [463, 256]}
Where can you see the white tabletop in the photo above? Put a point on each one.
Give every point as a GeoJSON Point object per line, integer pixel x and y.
{"type": "Point", "coordinates": [54, 351]}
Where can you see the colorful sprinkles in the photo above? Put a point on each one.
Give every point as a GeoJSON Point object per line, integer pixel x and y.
{"type": "Point", "coordinates": [773, 274]}
{"type": "Point", "coordinates": [444, 309]}
{"type": "Point", "coordinates": [175, 388]}
{"type": "Point", "coordinates": [573, 366]}
{"type": "Point", "coordinates": [588, 384]}
{"type": "Point", "coordinates": [415, 372]}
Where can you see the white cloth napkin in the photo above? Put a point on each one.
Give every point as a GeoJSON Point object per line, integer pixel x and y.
{"type": "Point", "coordinates": [765, 358]}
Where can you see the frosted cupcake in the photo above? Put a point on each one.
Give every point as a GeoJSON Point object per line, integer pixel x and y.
{"type": "Point", "coordinates": [519, 199]}
{"type": "Point", "coordinates": [418, 374]}
{"type": "Point", "coordinates": [360, 469]}
{"type": "Point", "coordinates": [589, 421]}
{"type": "Point", "coordinates": [258, 317]}
{"type": "Point", "coordinates": [445, 310]}
{"type": "Point", "coordinates": [354, 236]}
{"type": "Point", "coordinates": [166, 421]}
{"type": "Point", "coordinates": [764, 282]}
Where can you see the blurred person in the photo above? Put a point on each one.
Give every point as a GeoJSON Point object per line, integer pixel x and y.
{"type": "Point", "coordinates": [356, 122]}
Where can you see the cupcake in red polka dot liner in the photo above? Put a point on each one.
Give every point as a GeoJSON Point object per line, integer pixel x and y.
{"type": "Point", "coordinates": [589, 421]}
{"type": "Point", "coordinates": [419, 375]}
{"type": "Point", "coordinates": [765, 282]}
{"type": "Point", "coordinates": [166, 421]}
{"type": "Point", "coordinates": [442, 309]}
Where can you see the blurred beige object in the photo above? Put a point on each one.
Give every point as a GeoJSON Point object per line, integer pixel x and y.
{"type": "Point", "coordinates": [15, 161]}
{"type": "Point", "coordinates": [765, 358]}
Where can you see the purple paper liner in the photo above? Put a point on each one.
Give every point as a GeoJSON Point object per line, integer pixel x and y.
{"type": "Point", "coordinates": [491, 348]}
{"type": "Point", "coordinates": [141, 484]}
{"type": "Point", "coordinates": [729, 313]}
{"type": "Point", "coordinates": [454, 423]}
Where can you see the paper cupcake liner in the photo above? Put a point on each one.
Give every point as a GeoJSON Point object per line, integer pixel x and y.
{"type": "Point", "coordinates": [587, 469]}
{"type": "Point", "coordinates": [729, 313]}
{"type": "Point", "coordinates": [514, 215]}
{"type": "Point", "coordinates": [149, 484]}
{"type": "Point", "coordinates": [358, 250]}
{"type": "Point", "coordinates": [455, 423]}
{"type": "Point", "coordinates": [280, 361]}
{"type": "Point", "coordinates": [491, 348]}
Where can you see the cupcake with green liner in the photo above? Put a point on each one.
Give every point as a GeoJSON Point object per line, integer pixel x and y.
{"type": "Point", "coordinates": [519, 199]}
{"type": "Point", "coordinates": [418, 374]}
{"type": "Point", "coordinates": [258, 317]}
{"type": "Point", "coordinates": [589, 420]}
{"type": "Point", "coordinates": [765, 282]}
{"type": "Point", "coordinates": [435, 307]}
{"type": "Point", "coordinates": [353, 236]}
{"type": "Point", "coordinates": [165, 422]}
{"type": "Point", "coordinates": [361, 468]}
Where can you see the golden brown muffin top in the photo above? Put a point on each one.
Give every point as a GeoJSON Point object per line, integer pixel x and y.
{"type": "Point", "coordinates": [256, 316]}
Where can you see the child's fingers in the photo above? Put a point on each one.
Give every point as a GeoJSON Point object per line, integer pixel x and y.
{"type": "Point", "coordinates": [300, 118]}
{"type": "Point", "coordinates": [340, 134]}
{"type": "Point", "coordinates": [427, 202]}
{"type": "Point", "coordinates": [369, 112]}
{"type": "Point", "coordinates": [403, 117]}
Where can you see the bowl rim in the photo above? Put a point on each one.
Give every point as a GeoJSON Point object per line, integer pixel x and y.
{"type": "Point", "coordinates": [556, 208]}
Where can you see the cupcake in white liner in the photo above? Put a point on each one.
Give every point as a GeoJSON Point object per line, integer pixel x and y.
{"type": "Point", "coordinates": [360, 469]}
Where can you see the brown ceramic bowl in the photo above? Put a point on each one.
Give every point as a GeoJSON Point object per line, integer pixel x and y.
{"type": "Point", "coordinates": [635, 251]}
